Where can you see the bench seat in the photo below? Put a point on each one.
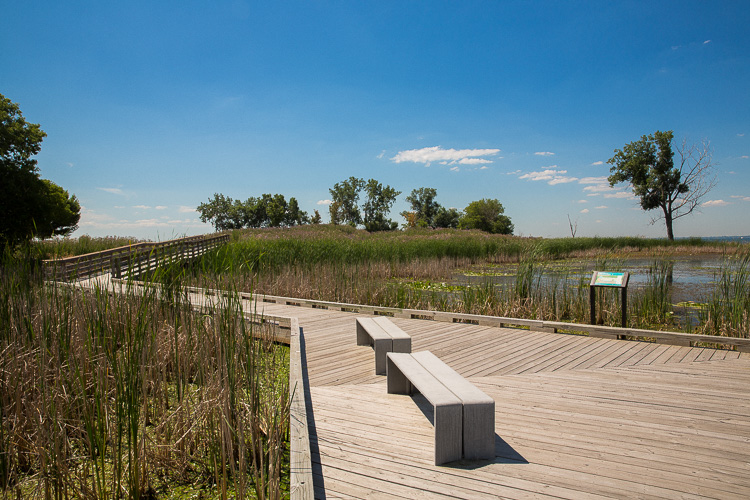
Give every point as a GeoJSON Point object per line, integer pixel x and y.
{"type": "Point", "coordinates": [384, 337]}
{"type": "Point", "coordinates": [435, 380]}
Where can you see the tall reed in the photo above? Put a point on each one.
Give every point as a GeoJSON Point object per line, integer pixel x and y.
{"type": "Point", "coordinates": [129, 395]}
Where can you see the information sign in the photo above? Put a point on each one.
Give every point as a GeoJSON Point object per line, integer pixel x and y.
{"type": "Point", "coordinates": [604, 278]}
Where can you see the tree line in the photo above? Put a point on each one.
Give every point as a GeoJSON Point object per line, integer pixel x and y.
{"type": "Point", "coordinates": [356, 202]}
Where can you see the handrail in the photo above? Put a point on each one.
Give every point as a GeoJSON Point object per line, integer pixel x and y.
{"type": "Point", "coordinates": [136, 258]}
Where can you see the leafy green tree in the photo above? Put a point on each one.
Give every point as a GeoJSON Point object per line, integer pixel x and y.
{"type": "Point", "coordinates": [447, 217]}
{"type": "Point", "coordinates": [648, 166]}
{"type": "Point", "coordinates": [424, 206]}
{"type": "Point", "coordinates": [29, 206]}
{"type": "Point", "coordinates": [345, 197]}
{"type": "Point", "coordinates": [378, 205]}
{"type": "Point", "coordinates": [315, 219]}
{"type": "Point", "coordinates": [266, 211]}
{"type": "Point", "coordinates": [486, 215]}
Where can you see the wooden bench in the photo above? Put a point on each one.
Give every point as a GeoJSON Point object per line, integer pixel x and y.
{"type": "Point", "coordinates": [384, 337]}
{"type": "Point", "coordinates": [464, 417]}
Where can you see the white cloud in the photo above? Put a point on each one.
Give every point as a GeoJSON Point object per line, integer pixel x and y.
{"type": "Point", "coordinates": [324, 202]}
{"type": "Point", "coordinates": [473, 161]}
{"type": "Point", "coordinates": [741, 135]}
{"type": "Point", "coordinates": [551, 175]}
{"type": "Point", "coordinates": [738, 197]}
{"type": "Point", "coordinates": [438, 154]}
{"type": "Point", "coordinates": [597, 163]}
{"type": "Point", "coordinates": [585, 211]}
{"type": "Point", "coordinates": [715, 203]}
{"type": "Point", "coordinates": [594, 180]}
{"type": "Point", "coordinates": [744, 157]}
{"type": "Point", "coordinates": [601, 207]}
{"type": "Point", "coordinates": [116, 191]}
{"type": "Point", "coordinates": [583, 201]}
{"type": "Point", "coordinates": [706, 42]}
{"type": "Point", "coordinates": [381, 155]}
{"type": "Point", "coordinates": [455, 169]}
{"type": "Point", "coordinates": [141, 207]}
{"type": "Point", "coordinates": [160, 207]}
{"type": "Point", "coordinates": [625, 195]}
{"type": "Point", "coordinates": [544, 153]}
{"type": "Point", "coordinates": [185, 210]}
{"type": "Point", "coordinates": [484, 168]}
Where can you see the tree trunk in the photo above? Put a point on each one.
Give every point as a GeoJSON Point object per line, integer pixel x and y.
{"type": "Point", "coordinates": [668, 221]}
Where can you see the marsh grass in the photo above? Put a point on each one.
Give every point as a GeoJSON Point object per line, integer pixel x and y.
{"type": "Point", "coordinates": [413, 269]}
{"type": "Point", "coordinates": [133, 395]}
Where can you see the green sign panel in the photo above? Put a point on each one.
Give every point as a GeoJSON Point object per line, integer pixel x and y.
{"type": "Point", "coordinates": [603, 278]}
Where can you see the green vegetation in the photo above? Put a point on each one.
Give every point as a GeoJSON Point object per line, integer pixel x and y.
{"type": "Point", "coordinates": [30, 207]}
{"type": "Point", "coordinates": [416, 269]}
{"type": "Point", "coordinates": [136, 395]}
{"type": "Point", "coordinates": [267, 211]}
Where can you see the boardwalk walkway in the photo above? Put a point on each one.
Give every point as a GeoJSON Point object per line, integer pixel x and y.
{"type": "Point", "coordinates": [576, 417]}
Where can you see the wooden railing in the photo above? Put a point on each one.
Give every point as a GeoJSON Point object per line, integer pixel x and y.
{"type": "Point", "coordinates": [131, 260]}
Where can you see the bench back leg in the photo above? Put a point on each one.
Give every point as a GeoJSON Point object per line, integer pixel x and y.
{"type": "Point", "coordinates": [448, 445]}
{"type": "Point", "coordinates": [479, 431]}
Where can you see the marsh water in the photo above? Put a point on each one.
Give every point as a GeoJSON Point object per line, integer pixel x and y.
{"type": "Point", "coordinates": [692, 276]}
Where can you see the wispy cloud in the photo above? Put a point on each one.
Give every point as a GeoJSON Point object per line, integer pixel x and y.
{"type": "Point", "coordinates": [116, 191]}
{"type": "Point", "coordinates": [597, 163]}
{"type": "Point", "coordinates": [585, 211]}
{"type": "Point", "coordinates": [451, 156]}
{"type": "Point", "coordinates": [324, 202]}
{"type": "Point", "coordinates": [455, 169]}
{"type": "Point", "coordinates": [185, 210]}
{"type": "Point", "coordinates": [160, 207]}
{"type": "Point", "coordinates": [624, 195]}
{"type": "Point", "coordinates": [706, 42]}
{"type": "Point", "coordinates": [141, 207]}
{"type": "Point", "coordinates": [544, 153]}
{"type": "Point", "coordinates": [601, 207]}
{"type": "Point", "coordinates": [715, 203]}
{"type": "Point", "coordinates": [552, 175]}
{"type": "Point", "coordinates": [738, 197]}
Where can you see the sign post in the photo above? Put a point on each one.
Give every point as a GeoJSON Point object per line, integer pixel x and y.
{"type": "Point", "coordinates": [603, 279]}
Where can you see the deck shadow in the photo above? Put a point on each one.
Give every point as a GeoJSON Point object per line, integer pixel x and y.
{"type": "Point", "coordinates": [317, 469]}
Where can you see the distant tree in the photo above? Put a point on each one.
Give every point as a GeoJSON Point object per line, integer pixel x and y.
{"type": "Point", "coordinates": [378, 205]}
{"type": "Point", "coordinates": [29, 206]}
{"type": "Point", "coordinates": [266, 211]}
{"type": "Point", "coordinates": [345, 196]}
{"type": "Point", "coordinates": [315, 219]}
{"type": "Point", "coordinates": [648, 166]}
{"type": "Point", "coordinates": [379, 199]}
{"type": "Point", "coordinates": [447, 217]}
{"type": "Point", "coordinates": [486, 215]}
{"type": "Point", "coordinates": [424, 206]}
{"type": "Point", "coordinates": [220, 212]}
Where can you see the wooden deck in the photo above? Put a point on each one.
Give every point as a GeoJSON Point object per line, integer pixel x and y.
{"type": "Point", "coordinates": [576, 417]}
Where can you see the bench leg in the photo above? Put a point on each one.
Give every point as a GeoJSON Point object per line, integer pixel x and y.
{"type": "Point", "coordinates": [382, 348]}
{"type": "Point", "coordinates": [402, 345]}
{"type": "Point", "coordinates": [448, 446]}
{"type": "Point", "coordinates": [397, 383]}
{"type": "Point", "coordinates": [479, 431]}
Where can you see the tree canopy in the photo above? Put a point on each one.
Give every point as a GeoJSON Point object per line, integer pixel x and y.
{"type": "Point", "coordinates": [486, 215]}
{"type": "Point", "coordinates": [345, 208]}
{"type": "Point", "coordinates": [266, 211]}
{"type": "Point", "coordinates": [426, 212]}
{"type": "Point", "coordinates": [29, 206]}
{"type": "Point", "coordinates": [648, 166]}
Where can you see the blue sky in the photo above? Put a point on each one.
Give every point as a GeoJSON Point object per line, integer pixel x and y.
{"type": "Point", "coordinates": [151, 107]}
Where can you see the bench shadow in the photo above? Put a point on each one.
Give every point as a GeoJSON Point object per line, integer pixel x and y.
{"type": "Point", "coordinates": [504, 452]}
{"type": "Point", "coordinates": [317, 470]}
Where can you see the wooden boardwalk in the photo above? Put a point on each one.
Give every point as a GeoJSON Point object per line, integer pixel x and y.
{"type": "Point", "coordinates": [576, 417]}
